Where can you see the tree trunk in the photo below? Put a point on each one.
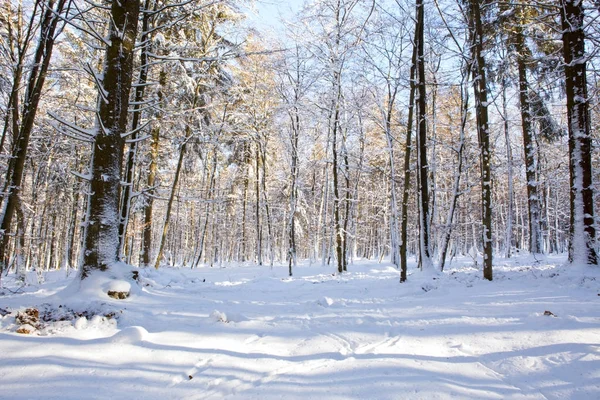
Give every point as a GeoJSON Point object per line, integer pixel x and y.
{"type": "Point", "coordinates": [510, 178]}
{"type": "Point", "coordinates": [259, 257]}
{"type": "Point", "coordinates": [163, 236]}
{"type": "Point", "coordinates": [146, 245]}
{"type": "Point", "coordinates": [295, 132]}
{"type": "Point", "coordinates": [394, 245]}
{"type": "Point", "coordinates": [263, 161]}
{"type": "Point", "coordinates": [582, 234]}
{"type": "Point", "coordinates": [347, 201]}
{"type": "Point", "coordinates": [407, 151]}
{"type": "Point", "coordinates": [135, 125]}
{"type": "Point", "coordinates": [459, 157]}
{"type": "Point", "coordinates": [339, 238]}
{"type": "Point", "coordinates": [209, 204]}
{"type": "Point", "coordinates": [244, 202]}
{"type": "Point", "coordinates": [483, 132]}
{"type": "Point", "coordinates": [101, 238]}
{"type": "Point", "coordinates": [423, 167]}
{"type": "Point", "coordinates": [533, 198]}
{"type": "Point", "coordinates": [48, 32]}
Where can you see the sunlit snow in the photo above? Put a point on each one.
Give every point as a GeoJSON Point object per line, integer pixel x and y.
{"type": "Point", "coordinates": [254, 333]}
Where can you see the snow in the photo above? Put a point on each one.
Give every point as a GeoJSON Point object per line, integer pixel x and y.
{"type": "Point", "coordinates": [254, 333]}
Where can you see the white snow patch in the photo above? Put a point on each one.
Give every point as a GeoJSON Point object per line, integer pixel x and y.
{"type": "Point", "coordinates": [251, 332]}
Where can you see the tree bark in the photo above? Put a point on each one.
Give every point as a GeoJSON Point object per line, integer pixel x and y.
{"type": "Point", "coordinates": [483, 132]}
{"type": "Point", "coordinates": [101, 238]}
{"type": "Point", "coordinates": [339, 238]}
{"type": "Point", "coordinates": [135, 124]}
{"type": "Point", "coordinates": [529, 147]}
{"type": "Point", "coordinates": [423, 166]}
{"type": "Point", "coordinates": [582, 234]}
{"type": "Point", "coordinates": [407, 151]}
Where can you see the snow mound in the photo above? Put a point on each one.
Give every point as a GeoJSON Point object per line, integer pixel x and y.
{"type": "Point", "coordinates": [117, 286]}
{"type": "Point", "coordinates": [129, 335]}
{"type": "Point", "coordinates": [325, 301]}
{"type": "Point", "coordinates": [220, 316]}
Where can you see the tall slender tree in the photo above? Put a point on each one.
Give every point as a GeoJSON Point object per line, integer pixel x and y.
{"type": "Point", "coordinates": [529, 143]}
{"type": "Point", "coordinates": [582, 234]}
{"type": "Point", "coordinates": [422, 163]}
{"type": "Point", "coordinates": [483, 130]}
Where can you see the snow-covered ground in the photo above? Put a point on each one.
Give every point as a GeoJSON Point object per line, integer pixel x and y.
{"type": "Point", "coordinates": [254, 333]}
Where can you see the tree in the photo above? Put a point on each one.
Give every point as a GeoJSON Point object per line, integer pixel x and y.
{"type": "Point", "coordinates": [483, 130]}
{"type": "Point", "coordinates": [384, 52]}
{"type": "Point", "coordinates": [101, 237]}
{"type": "Point", "coordinates": [422, 164]}
{"type": "Point", "coordinates": [529, 146]}
{"type": "Point", "coordinates": [293, 84]}
{"type": "Point", "coordinates": [50, 28]}
{"type": "Point", "coordinates": [341, 29]}
{"type": "Point", "coordinates": [582, 234]}
{"type": "Point", "coordinates": [136, 125]}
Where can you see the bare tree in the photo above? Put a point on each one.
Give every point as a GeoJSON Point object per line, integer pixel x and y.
{"type": "Point", "coordinates": [50, 27]}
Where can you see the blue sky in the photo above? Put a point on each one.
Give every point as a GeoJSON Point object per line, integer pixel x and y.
{"type": "Point", "coordinates": [269, 12]}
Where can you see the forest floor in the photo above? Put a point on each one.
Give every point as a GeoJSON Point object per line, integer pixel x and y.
{"type": "Point", "coordinates": [254, 333]}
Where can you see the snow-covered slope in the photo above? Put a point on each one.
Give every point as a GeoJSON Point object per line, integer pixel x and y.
{"type": "Point", "coordinates": [254, 333]}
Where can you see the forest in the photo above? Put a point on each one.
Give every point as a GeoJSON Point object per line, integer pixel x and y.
{"type": "Point", "coordinates": [345, 199]}
{"type": "Point", "coordinates": [160, 133]}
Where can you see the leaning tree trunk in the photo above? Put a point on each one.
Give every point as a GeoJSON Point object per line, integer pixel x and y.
{"type": "Point", "coordinates": [582, 234]}
{"type": "Point", "coordinates": [464, 98]}
{"type": "Point", "coordinates": [210, 200]}
{"type": "Point", "coordinates": [101, 238]}
{"type": "Point", "coordinates": [48, 32]}
{"type": "Point", "coordinates": [165, 229]}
